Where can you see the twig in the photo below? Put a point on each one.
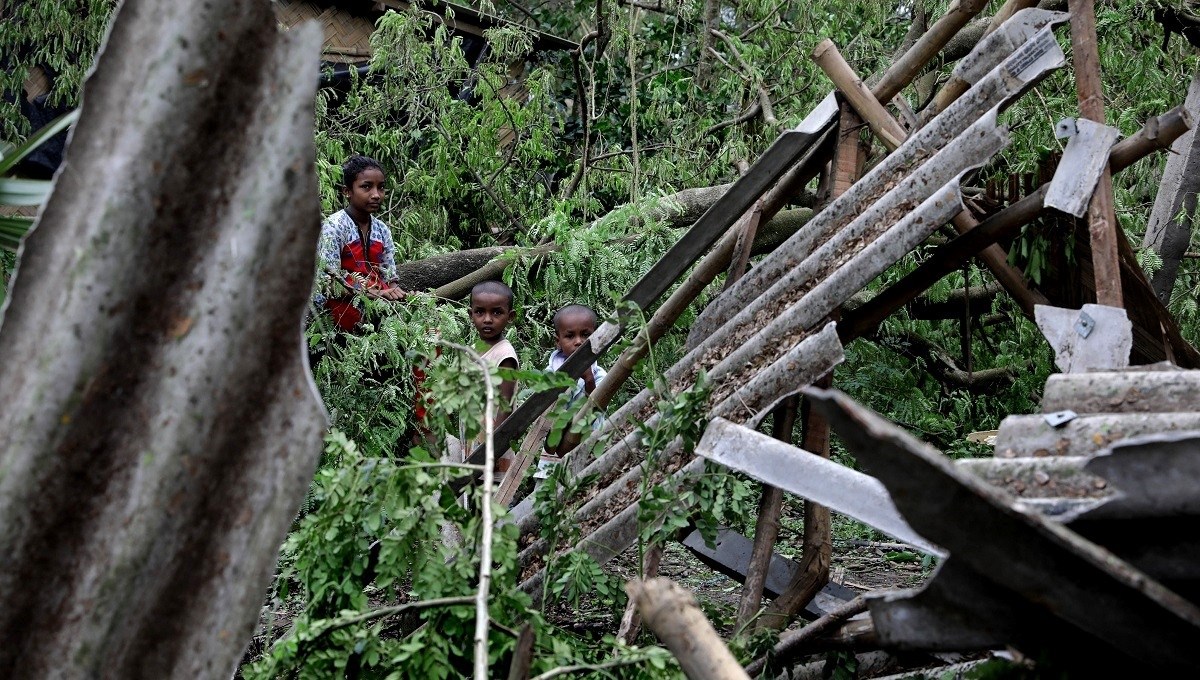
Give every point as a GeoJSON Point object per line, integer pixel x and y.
{"type": "Point", "coordinates": [788, 647]}
{"type": "Point", "coordinates": [749, 114]}
{"type": "Point", "coordinates": [579, 668]}
{"type": "Point", "coordinates": [658, 6]}
{"type": "Point", "coordinates": [736, 52]}
{"type": "Point", "coordinates": [772, 14]}
{"type": "Point", "coordinates": [668, 69]}
{"type": "Point", "coordinates": [631, 56]}
{"type": "Point", "coordinates": [581, 96]}
{"type": "Point", "coordinates": [750, 75]}
{"type": "Point", "coordinates": [487, 188]}
{"type": "Point", "coordinates": [485, 549]}
{"type": "Point", "coordinates": [728, 65]}
{"type": "Point", "coordinates": [600, 36]}
{"type": "Point", "coordinates": [382, 612]}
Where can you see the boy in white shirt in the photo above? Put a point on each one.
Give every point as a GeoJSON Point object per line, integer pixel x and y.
{"type": "Point", "coordinates": [573, 325]}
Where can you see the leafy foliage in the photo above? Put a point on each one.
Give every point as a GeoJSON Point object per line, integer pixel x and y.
{"type": "Point", "coordinates": [60, 37]}
{"type": "Point", "coordinates": [477, 156]}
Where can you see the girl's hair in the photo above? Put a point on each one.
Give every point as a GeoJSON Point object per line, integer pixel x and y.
{"type": "Point", "coordinates": [355, 165]}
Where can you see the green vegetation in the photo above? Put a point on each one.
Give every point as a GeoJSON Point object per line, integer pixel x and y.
{"type": "Point", "coordinates": [527, 172]}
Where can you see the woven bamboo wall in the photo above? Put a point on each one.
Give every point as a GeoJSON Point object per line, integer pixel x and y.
{"type": "Point", "coordinates": [347, 35]}
{"type": "Point", "coordinates": [36, 83]}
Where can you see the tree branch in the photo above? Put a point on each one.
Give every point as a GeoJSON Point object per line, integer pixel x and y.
{"type": "Point", "coordinates": [657, 6]}
{"type": "Point", "coordinates": [978, 299]}
{"type": "Point", "coordinates": [600, 36]}
{"type": "Point", "coordinates": [945, 369]}
{"type": "Point", "coordinates": [790, 646]}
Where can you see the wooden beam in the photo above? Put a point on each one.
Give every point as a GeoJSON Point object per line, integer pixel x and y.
{"type": "Point", "coordinates": [1102, 218]}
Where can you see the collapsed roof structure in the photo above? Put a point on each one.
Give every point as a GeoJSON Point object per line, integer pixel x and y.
{"type": "Point", "coordinates": [1057, 544]}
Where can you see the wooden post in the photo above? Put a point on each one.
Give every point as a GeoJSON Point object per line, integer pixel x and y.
{"type": "Point", "coordinates": [813, 573]}
{"type": "Point", "coordinates": [818, 538]}
{"type": "Point", "coordinates": [1102, 219]}
{"type": "Point", "coordinates": [766, 529]}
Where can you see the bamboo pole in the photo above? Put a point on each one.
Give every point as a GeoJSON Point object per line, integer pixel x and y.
{"type": "Point", "coordinates": [956, 86]}
{"type": "Point", "coordinates": [1102, 218]}
{"type": "Point", "coordinates": [908, 66]}
{"type": "Point", "coordinates": [827, 56]}
{"type": "Point", "coordinates": [671, 612]}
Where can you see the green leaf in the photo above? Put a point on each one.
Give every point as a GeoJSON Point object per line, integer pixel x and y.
{"type": "Point", "coordinates": [15, 191]}
{"type": "Point", "coordinates": [12, 229]}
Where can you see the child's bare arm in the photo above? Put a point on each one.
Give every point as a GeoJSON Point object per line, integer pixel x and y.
{"type": "Point", "coordinates": [507, 389]}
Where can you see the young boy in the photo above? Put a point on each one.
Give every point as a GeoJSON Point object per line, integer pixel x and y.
{"type": "Point", "coordinates": [491, 312]}
{"type": "Point", "coordinates": [573, 325]}
{"type": "Point", "coordinates": [357, 244]}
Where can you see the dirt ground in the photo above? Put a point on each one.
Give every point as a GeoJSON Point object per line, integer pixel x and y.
{"type": "Point", "coordinates": [863, 560]}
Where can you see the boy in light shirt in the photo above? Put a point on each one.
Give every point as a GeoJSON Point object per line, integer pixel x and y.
{"type": "Point", "coordinates": [573, 325]}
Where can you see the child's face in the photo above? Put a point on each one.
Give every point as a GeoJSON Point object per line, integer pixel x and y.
{"type": "Point", "coordinates": [365, 194]}
{"type": "Point", "coordinates": [491, 314]}
{"type": "Point", "coordinates": [573, 330]}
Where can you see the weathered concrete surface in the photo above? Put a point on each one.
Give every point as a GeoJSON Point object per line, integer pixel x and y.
{"type": "Point", "coordinates": [1052, 477]}
{"type": "Point", "coordinates": [158, 425]}
{"type": "Point", "coordinates": [1166, 235]}
{"type": "Point", "coordinates": [1124, 392]}
{"type": "Point", "coordinates": [1022, 436]}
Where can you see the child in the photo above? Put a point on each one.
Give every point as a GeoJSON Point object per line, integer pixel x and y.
{"type": "Point", "coordinates": [573, 325]}
{"type": "Point", "coordinates": [353, 241]}
{"type": "Point", "coordinates": [491, 312]}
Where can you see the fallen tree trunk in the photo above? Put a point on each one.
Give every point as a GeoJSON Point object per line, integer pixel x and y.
{"type": "Point", "coordinates": [451, 275]}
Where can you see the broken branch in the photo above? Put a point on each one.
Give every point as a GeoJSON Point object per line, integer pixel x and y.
{"type": "Point", "coordinates": [671, 612]}
{"type": "Point", "coordinates": [791, 646]}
